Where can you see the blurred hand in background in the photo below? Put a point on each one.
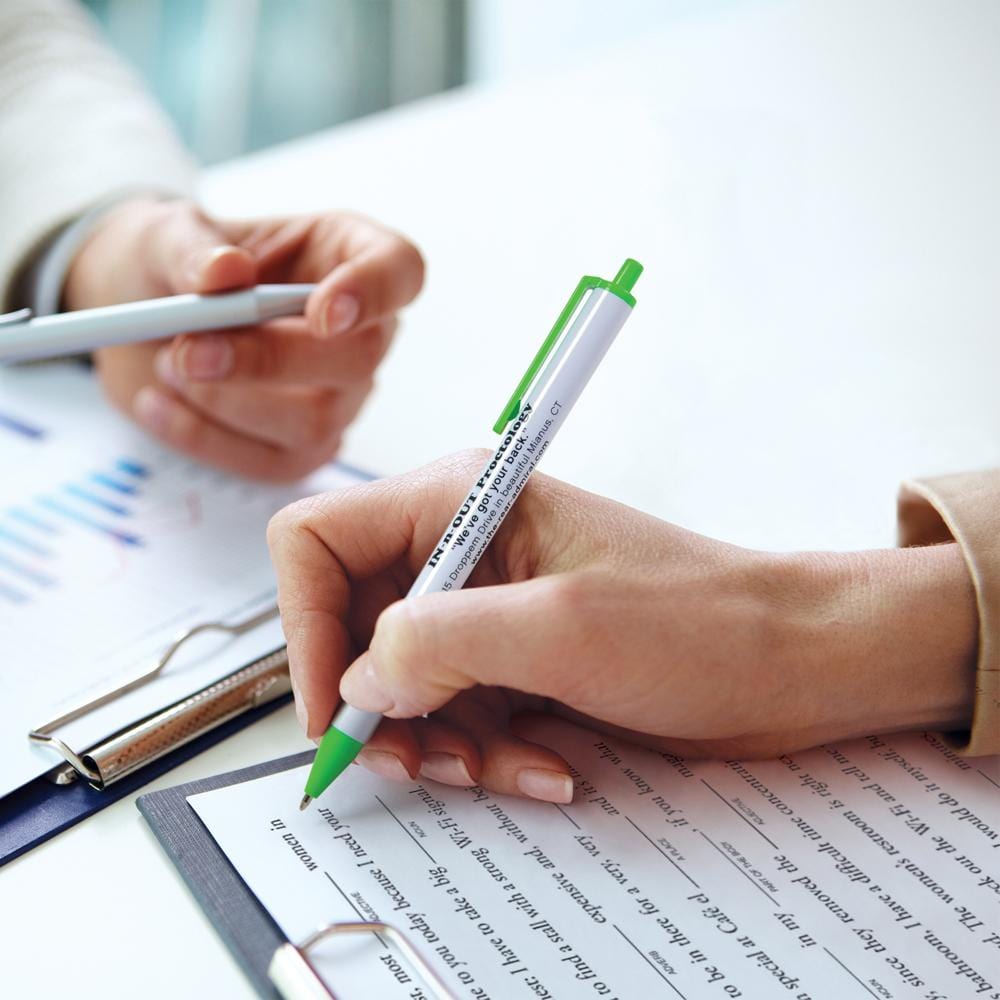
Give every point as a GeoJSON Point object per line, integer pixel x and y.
{"type": "Point", "coordinates": [271, 401]}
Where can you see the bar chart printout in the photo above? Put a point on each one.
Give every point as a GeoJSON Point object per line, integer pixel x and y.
{"type": "Point", "coordinates": [111, 545]}
{"type": "Point", "coordinates": [45, 523]}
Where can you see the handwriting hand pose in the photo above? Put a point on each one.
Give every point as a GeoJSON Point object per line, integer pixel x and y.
{"type": "Point", "coordinates": [588, 610]}
{"type": "Point", "coordinates": [271, 401]}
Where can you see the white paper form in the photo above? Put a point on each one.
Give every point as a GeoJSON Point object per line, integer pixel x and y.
{"type": "Point", "coordinates": [868, 870]}
{"type": "Point", "coordinates": [109, 546]}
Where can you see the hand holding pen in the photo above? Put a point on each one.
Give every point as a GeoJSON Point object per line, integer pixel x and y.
{"type": "Point", "coordinates": [529, 422]}
{"type": "Point", "coordinates": [269, 401]}
{"type": "Point", "coordinates": [584, 610]}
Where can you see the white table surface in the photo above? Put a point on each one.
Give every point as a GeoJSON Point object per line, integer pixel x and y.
{"type": "Point", "coordinates": [813, 190]}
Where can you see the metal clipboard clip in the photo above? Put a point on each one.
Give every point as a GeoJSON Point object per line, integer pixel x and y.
{"type": "Point", "coordinates": [296, 978]}
{"type": "Point", "coordinates": [135, 745]}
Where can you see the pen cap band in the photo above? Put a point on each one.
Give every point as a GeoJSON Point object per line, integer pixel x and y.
{"type": "Point", "coordinates": [621, 286]}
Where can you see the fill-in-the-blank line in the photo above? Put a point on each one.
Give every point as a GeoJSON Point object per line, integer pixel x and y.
{"type": "Point", "coordinates": [860, 982]}
{"type": "Point", "coordinates": [656, 847]}
{"type": "Point", "coordinates": [403, 828]}
{"type": "Point", "coordinates": [567, 815]}
{"type": "Point", "coordinates": [745, 819]}
{"type": "Point", "coordinates": [350, 902]}
{"type": "Point", "coordinates": [646, 959]}
{"type": "Point", "coordinates": [746, 875]}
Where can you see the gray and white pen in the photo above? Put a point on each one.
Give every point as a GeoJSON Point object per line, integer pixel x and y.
{"type": "Point", "coordinates": [23, 338]}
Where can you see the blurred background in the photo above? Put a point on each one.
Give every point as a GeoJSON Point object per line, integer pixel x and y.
{"type": "Point", "coordinates": [238, 75]}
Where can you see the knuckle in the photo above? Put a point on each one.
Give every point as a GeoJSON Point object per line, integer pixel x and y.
{"type": "Point", "coordinates": [571, 599]}
{"type": "Point", "coordinates": [402, 641]}
{"type": "Point", "coordinates": [450, 476]}
{"type": "Point", "coordinates": [460, 464]}
{"type": "Point", "coordinates": [287, 521]}
{"type": "Point", "coordinates": [268, 357]}
{"type": "Point", "coordinates": [255, 357]}
{"type": "Point", "coordinates": [302, 517]}
{"type": "Point", "coordinates": [188, 431]}
{"type": "Point", "coordinates": [445, 479]}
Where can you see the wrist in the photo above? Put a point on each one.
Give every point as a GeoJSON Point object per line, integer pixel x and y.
{"type": "Point", "coordinates": [881, 641]}
{"type": "Point", "coordinates": [112, 243]}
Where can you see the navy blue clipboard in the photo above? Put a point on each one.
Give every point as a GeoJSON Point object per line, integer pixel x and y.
{"type": "Point", "coordinates": [247, 929]}
{"type": "Point", "coordinates": [39, 810]}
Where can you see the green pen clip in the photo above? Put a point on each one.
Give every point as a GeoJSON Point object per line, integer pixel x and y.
{"type": "Point", "coordinates": [621, 286]}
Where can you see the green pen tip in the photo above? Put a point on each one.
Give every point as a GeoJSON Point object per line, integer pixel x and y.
{"type": "Point", "coordinates": [628, 274]}
{"type": "Point", "coordinates": [336, 752]}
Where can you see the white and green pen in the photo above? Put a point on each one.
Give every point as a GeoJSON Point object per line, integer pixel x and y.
{"type": "Point", "coordinates": [569, 356]}
{"type": "Point", "coordinates": [23, 338]}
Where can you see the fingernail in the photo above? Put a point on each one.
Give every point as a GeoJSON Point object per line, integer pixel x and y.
{"type": "Point", "coordinates": [549, 786]}
{"type": "Point", "coordinates": [206, 356]}
{"type": "Point", "coordinates": [386, 765]}
{"type": "Point", "coordinates": [448, 768]}
{"type": "Point", "coordinates": [341, 314]}
{"type": "Point", "coordinates": [152, 408]}
{"type": "Point", "coordinates": [203, 260]}
{"type": "Point", "coordinates": [163, 366]}
{"type": "Point", "coordinates": [362, 689]}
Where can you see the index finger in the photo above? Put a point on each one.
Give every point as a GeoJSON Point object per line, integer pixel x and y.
{"type": "Point", "coordinates": [363, 270]}
{"type": "Point", "coordinates": [380, 273]}
{"type": "Point", "coordinates": [334, 551]}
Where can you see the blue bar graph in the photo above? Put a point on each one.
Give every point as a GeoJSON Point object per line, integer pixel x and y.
{"type": "Point", "coordinates": [12, 595]}
{"type": "Point", "coordinates": [127, 538]}
{"type": "Point", "coordinates": [133, 468]}
{"type": "Point", "coordinates": [113, 484]}
{"type": "Point", "coordinates": [25, 544]}
{"type": "Point", "coordinates": [8, 422]}
{"type": "Point", "coordinates": [26, 517]}
{"type": "Point", "coordinates": [92, 498]}
{"type": "Point", "coordinates": [26, 572]}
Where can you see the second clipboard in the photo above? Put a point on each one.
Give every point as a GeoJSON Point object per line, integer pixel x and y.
{"type": "Point", "coordinates": [257, 943]}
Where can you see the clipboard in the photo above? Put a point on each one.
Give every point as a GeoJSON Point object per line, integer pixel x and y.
{"type": "Point", "coordinates": [47, 806]}
{"type": "Point", "coordinates": [91, 778]}
{"type": "Point", "coordinates": [277, 968]}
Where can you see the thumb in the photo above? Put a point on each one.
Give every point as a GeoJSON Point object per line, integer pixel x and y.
{"type": "Point", "coordinates": [425, 650]}
{"type": "Point", "coordinates": [193, 255]}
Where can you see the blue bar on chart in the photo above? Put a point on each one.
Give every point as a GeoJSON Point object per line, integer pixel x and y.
{"type": "Point", "coordinates": [127, 538]}
{"type": "Point", "coordinates": [25, 544]}
{"type": "Point", "coordinates": [133, 468]}
{"type": "Point", "coordinates": [26, 517]}
{"type": "Point", "coordinates": [92, 498]}
{"type": "Point", "coordinates": [26, 572]}
{"type": "Point", "coordinates": [16, 425]}
{"type": "Point", "coordinates": [114, 484]}
{"type": "Point", "coordinates": [10, 594]}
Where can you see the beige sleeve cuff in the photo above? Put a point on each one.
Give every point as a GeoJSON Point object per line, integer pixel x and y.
{"type": "Point", "coordinates": [76, 128]}
{"type": "Point", "coordinates": [966, 508]}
